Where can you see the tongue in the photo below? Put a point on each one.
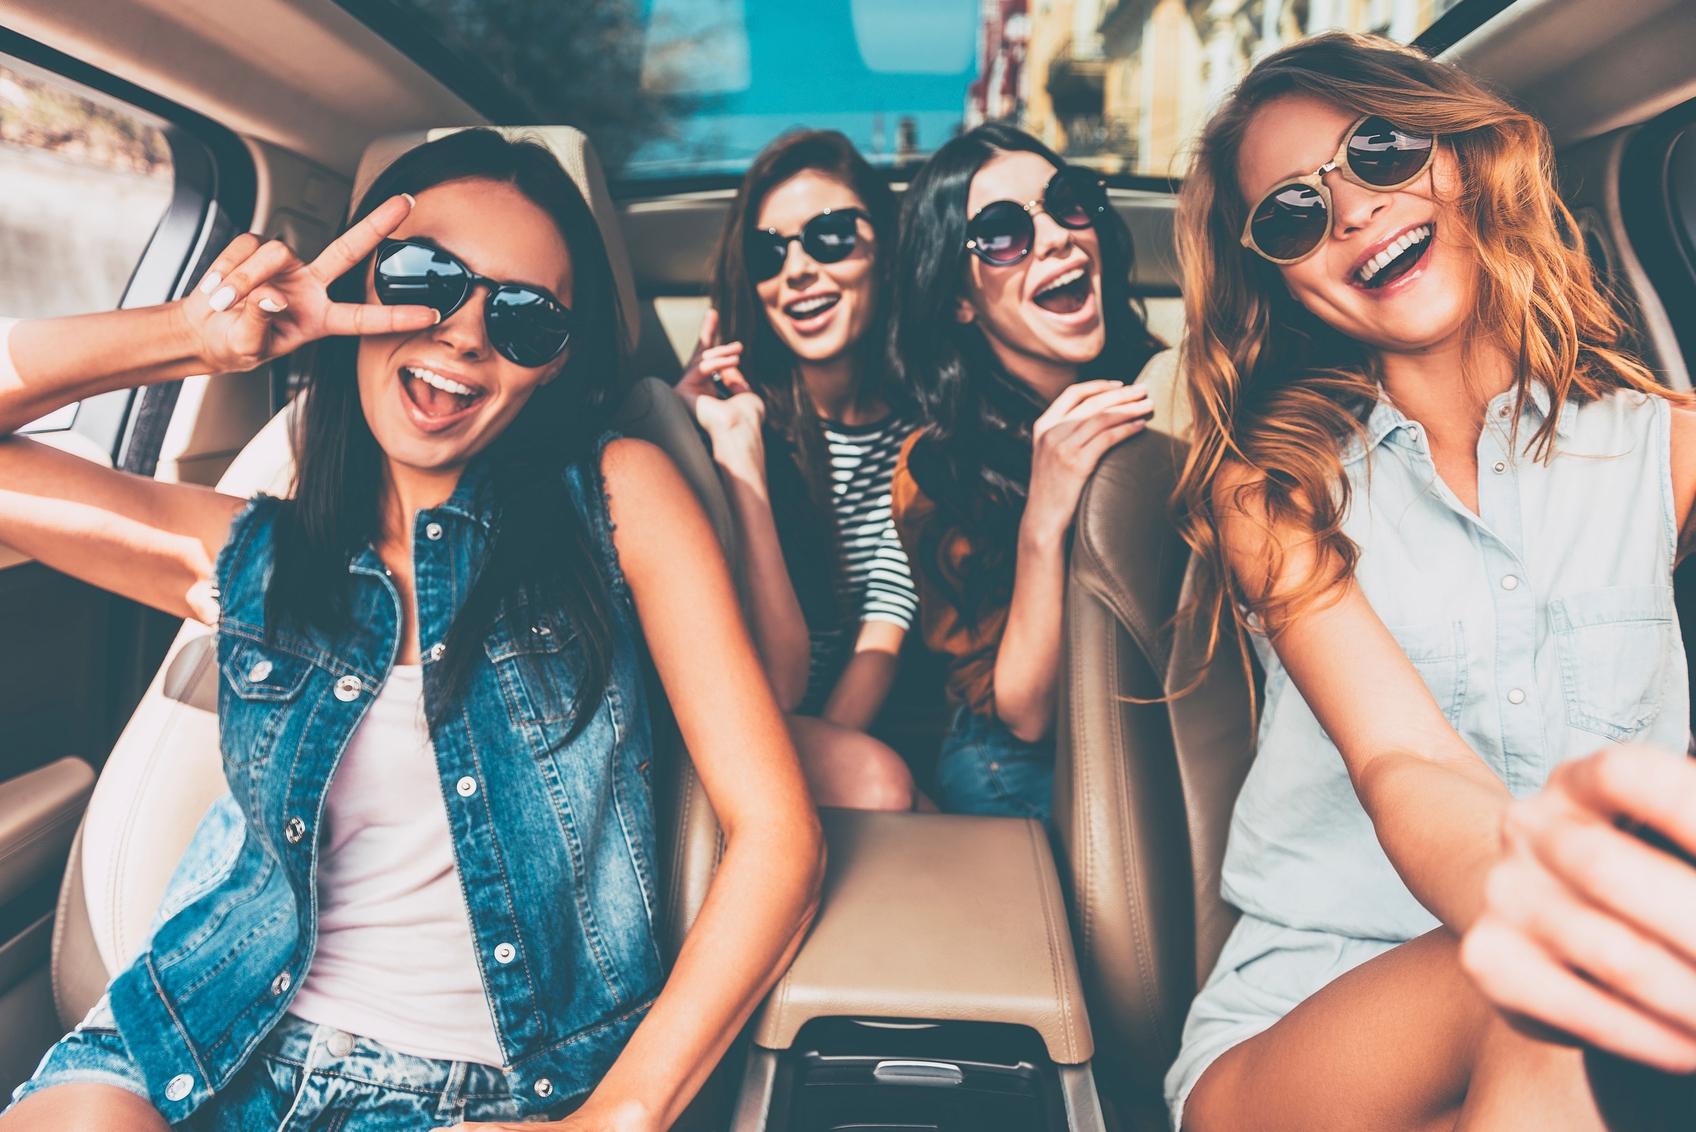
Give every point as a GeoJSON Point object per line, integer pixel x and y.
{"type": "Point", "coordinates": [1066, 300]}
{"type": "Point", "coordinates": [435, 402]}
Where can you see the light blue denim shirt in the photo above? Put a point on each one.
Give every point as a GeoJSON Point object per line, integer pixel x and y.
{"type": "Point", "coordinates": [1543, 625]}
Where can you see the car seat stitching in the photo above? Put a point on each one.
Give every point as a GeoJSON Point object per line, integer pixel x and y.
{"type": "Point", "coordinates": [1047, 897]}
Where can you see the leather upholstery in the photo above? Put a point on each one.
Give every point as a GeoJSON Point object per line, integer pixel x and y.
{"type": "Point", "coordinates": [1143, 791]}
{"type": "Point", "coordinates": [164, 770]}
{"type": "Point", "coordinates": [943, 917]}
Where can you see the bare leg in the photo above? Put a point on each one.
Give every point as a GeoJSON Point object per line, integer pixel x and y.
{"type": "Point", "coordinates": [849, 768]}
{"type": "Point", "coordinates": [84, 1107]}
{"type": "Point", "coordinates": [1394, 1046]}
{"type": "Point", "coordinates": [1522, 1082]}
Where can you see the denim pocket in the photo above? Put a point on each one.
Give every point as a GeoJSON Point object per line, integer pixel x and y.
{"type": "Point", "coordinates": [536, 659]}
{"type": "Point", "coordinates": [1438, 652]}
{"type": "Point", "coordinates": [1614, 646]}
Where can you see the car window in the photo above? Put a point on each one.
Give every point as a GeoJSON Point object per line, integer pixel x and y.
{"type": "Point", "coordinates": [87, 181]}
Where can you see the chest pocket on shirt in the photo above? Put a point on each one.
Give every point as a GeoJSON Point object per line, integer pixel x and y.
{"type": "Point", "coordinates": [266, 681]}
{"type": "Point", "coordinates": [1438, 651]}
{"type": "Point", "coordinates": [1614, 645]}
{"type": "Point", "coordinates": [536, 658]}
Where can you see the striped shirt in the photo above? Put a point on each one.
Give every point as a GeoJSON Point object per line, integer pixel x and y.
{"type": "Point", "coordinates": [875, 574]}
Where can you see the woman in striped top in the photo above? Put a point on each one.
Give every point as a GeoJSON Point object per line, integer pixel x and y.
{"type": "Point", "coordinates": [806, 429]}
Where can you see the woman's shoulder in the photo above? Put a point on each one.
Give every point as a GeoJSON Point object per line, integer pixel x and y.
{"type": "Point", "coordinates": [906, 498]}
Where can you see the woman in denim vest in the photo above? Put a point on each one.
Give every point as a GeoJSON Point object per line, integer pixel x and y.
{"type": "Point", "coordinates": [430, 894]}
{"type": "Point", "coordinates": [1444, 505]}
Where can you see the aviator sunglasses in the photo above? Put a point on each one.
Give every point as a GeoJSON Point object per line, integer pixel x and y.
{"type": "Point", "coordinates": [829, 237]}
{"type": "Point", "coordinates": [1003, 231]}
{"type": "Point", "coordinates": [525, 324]}
{"type": "Point", "coordinates": [1290, 222]}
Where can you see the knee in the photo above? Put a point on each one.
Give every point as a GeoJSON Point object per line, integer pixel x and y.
{"type": "Point", "coordinates": [884, 781]}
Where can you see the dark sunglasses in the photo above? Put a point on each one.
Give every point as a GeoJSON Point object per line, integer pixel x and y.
{"type": "Point", "coordinates": [829, 237]}
{"type": "Point", "coordinates": [1289, 223]}
{"type": "Point", "coordinates": [525, 324]}
{"type": "Point", "coordinates": [1004, 231]}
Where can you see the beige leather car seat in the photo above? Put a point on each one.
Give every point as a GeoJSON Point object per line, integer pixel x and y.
{"type": "Point", "coordinates": [164, 770]}
{"type": "Point", "coordinates": [1143, 792]}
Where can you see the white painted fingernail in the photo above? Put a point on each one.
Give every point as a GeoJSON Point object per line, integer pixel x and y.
{"type": "Point", "coordinates": [438, 319]}
{"type": "Point", "coordinates": [272, 305]}
{"type": "Point", "coordinates": [223, 299]}
{"type": "Point", "coordinates": [411, 201]}
{"type": "Point", "coordinates": [208, 284]}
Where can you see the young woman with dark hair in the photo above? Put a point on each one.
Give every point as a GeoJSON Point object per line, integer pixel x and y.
{"type": "Point", "coordinates": [428, 897]}
{"type": "Point", "coordinates": [1431, 487]}
{"type": "Point", "coordinates": [1015, 327]}
{"type": "Point", "coordinates": [790, 384]}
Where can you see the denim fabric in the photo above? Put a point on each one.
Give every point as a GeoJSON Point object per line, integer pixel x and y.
{"type": "Point", "coordinates": [553, 837]}
{"type": "Point", "coordinates": [1543, 627]}
{"type": "Point", "coordinates": [304, 1076]}
{"type": "Point", "coordinates": [986, 769]}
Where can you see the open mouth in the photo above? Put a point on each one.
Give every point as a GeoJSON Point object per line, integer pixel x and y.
{"type": "Point", "coordinates": [1396, 260]}
{"type": "Point", "coordinates": [802, 309]}
{"type": "Point", "coordinates": [1067, 294]}
{"type": "Point", "coordinates": [437, 397]}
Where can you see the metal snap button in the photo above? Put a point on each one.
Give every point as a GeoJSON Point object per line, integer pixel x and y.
{"type": "Point", "coordinates": [436, 650]}
{"type": "Point", "coordinates": [293, 830]}
{"type": "Point", "coordinates": [259, 672]}
{"type": "Point", "coordinates": [433, 532]}
{"type": "Point", "coordinates": [467, 786]}
{"type": "Point", "coordinates": [340, 1043]}
{"type": "Point", "coordinates": [1515, 696]}
{"type": "Point", "coordinates": [544, 1087]}
{"type": "Point", "coordinates": [179, 1087]}
{"type": "Point", "coordinates": [505, 952]}
{"type": "Point", "coordinates": [541, 630]}
{"type": "Point", "coordinates": [1510, 583]}
{"type": "Point", "coordinates": [348, 688]}
{"type": "Point", "coordinates": [281, 984]}
{"type": "Point", "coordinates": [1499, 467]}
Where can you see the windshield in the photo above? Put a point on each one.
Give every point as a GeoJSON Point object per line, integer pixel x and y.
{"type": "Point", "coordinates": [694, 88]}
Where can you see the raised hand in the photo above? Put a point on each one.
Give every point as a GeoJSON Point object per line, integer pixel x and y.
{"type": "Point", "coordinates": [711, 360]}
{"type": "Point", "coordinates": [1069, 439]}
{"type": "Point", "coordinates": [258, 301]}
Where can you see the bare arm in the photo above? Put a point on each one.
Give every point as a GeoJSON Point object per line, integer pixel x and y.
{"type": "Point", "coordinates": [1684, 477]}
{"type": "Point", "coordinates": [1435, 804]}
{"type": "Point", "coordinates": [1069, 439]}
{"type": "Point", "coordinates": [867, 677]}
{"type": "Point", "coordinates": [149, 541]}
{"type": "Point", "coordinates": [766, 888]}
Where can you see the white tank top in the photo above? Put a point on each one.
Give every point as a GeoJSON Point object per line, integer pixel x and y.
{"type": "Point", "coordinates": [394, 960]}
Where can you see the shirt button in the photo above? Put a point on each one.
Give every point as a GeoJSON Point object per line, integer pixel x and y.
{"type": "Point", "coordinates": [1504, 411]}
{"type": "Point", "coordinates": [544, 1087]}
{"type": "Point", "coordinates": [1510, 583]}
{"type": "Point", "coordinates": [293, 830]}
{"type": "Point", "coordinates": [436, 650]}
{"type": "Point", "coordinates": [467, 786]}
{"type": "Point", "coordinates": [1499, 466]}
{"type": "Point", "coordinates": [347, 689]}
{"type": "Point", "coordinates": [505, 952]}
{"type": "Point", "coordinates": [1515, 696]}
{"type": "Point", "coordinates": [433, 532]}
{"type": "Point", "coordinates": [281, 984]}
{"type": "Point", "coordinates": [259, 672]}
{"type": "Point", "coordinates": [179, 1087]}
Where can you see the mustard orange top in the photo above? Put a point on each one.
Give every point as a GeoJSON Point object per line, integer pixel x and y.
{"type": "Point", "coordinates": [970, 650]}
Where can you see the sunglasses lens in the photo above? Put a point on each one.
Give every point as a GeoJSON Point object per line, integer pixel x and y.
{"type": "Point", "coordinates": [830, 236]}
{"type": "Point", "coordinates": [526, 326]}
{"type": "Point", "coordinates": [413, 274]}
{"type": "Point", "coordinates": [1002, 232]}
{"type": "Point", "coordinates": [764, 252]}
{"type": "Point", "coordinates": [1290, 221]}
{"type": "Point", "coordinates": [1074, 198]}
{"type": "Point", "coordinates": [1384, 156]}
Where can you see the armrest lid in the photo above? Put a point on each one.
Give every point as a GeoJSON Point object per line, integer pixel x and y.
{"type": "Point", "coordinates": [940, 917]}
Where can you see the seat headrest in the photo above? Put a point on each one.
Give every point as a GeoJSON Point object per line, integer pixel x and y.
{"type": "Point", "coordinates": [577, 157]}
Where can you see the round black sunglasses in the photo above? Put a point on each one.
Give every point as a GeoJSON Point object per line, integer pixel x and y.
{"type": "Point", "coordinates": [1003, 232]}
{"type": "Point", "coordinates": [829, 237]}
{"type": "Point", "coordinates": [525, 324]}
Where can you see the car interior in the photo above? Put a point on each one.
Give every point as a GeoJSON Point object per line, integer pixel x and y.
{"type": "Point", "coordinates": [963, 973]}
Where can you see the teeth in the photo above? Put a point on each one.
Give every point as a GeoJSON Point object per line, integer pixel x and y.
{"type": "Point", "coordinates": [445, 384]}
{"type": "Point", "coordinates": [811, 306]}
{"type": "Point", "coordinates": [1065, 280]}
{"type": "Point", "coordinates": [1377, 263]}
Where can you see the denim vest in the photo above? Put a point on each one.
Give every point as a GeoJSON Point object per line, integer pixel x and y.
{"type": "Point", "coordinates": [553, 837]}
{"type": "Point", "coordinates": [1543, 626]}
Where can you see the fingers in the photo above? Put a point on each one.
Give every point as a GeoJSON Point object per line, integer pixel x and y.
{"type": "Point", "coordinates": [352, 246]}
{"type": "Point", "coordinates": [1523, 980]}
{"type": "Point", "coordinates": [1076, 392]}
{"type": "Point", "coordinates": [1642, 784]}
{"type": "Point", "coordinates": [715, 358]}
{"type": "Point", "coordinates": [732, 379]}
{"type": "Point", "coordinates": [358, 319]}
{"type": "Point", "coordinates": [234, 252]}
{"type": "Point", "coordinates": [271, 259]}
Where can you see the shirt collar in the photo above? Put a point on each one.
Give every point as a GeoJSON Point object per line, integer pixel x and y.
{"type": "Point", "coordinates": [1385, 420]}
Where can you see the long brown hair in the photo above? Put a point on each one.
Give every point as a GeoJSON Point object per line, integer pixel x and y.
{"type": "Point", "coordinates": [797, 464]}
{"type": "Point", "coordinates": [1275, 392]}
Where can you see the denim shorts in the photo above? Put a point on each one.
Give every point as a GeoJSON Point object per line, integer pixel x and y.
{"type": "Point", "coordinates": [986, 769]}
{"type": "Point", "coordinates": [304, 1076]}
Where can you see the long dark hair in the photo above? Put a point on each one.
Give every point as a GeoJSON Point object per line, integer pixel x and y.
{"type": "Point", "coordinates": [540, 556]}
{"type": "Point", "coordinates": [797, 464]}
{"type": "Point", "coordinates": [974, 457]}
